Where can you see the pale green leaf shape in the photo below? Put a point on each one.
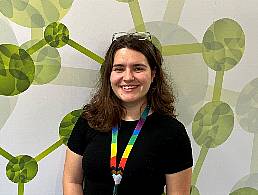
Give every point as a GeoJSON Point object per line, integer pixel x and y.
{"type": "Point", "coordinates": [224, 44]}
{"type": "Point", "coordinates": [213, 124]}
{"type": "Point", "coordinates": [20, 4]}
{"type": "Point", "coordinates": [19, 70]}
{"type": "Point", "coordinates": [6, 8]}
{"type": "Point", "coordinates": [50, 11]}
{"type": "Point", "coordinates": [65, 4]}
{"type": "Point", "coordinates": [47, 63]}
{"type": "Point", "coordinates": [67, 124]}
{"type": "Point", "coordinates": [247, 107]}
{"type": "Point", "coordinates": [34, 17]}
{"type": "Point", "coordinates": [36, 13]}
{"type": "Point", "coordinates": [245, 191]}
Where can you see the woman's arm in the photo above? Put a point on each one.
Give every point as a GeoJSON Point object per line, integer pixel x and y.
{"type": "Point", "coordinates": [179, 183]}
{"type": "Point", "coordinates": [73, 174]}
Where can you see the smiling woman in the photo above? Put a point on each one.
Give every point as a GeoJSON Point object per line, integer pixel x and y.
{"type": "Point", "coordinates": [127, 140]}
{"type": "Point", "coordinates": [131, 77]}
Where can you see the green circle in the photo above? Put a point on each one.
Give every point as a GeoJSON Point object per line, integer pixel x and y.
{"type": "Point", "coordinates": [213, 124]}
{"type": "Point", "coordinates": [245, 191]}
{"type": "Point", "coordinates": [247, 107]}
{"type": "Point", "coordinates": [17, 70]}
{"type": "Point", "coordinates": [223, 44]}
{"type": "Point", "coordinates": [47, 63]}
{"type": "Point", "coordinates": [36, 13]}
{"type": "Point", "coordinates": [67, 124]}
{"type": "Point", "coordinates": [56, 34]}
{"type": "Point", "coordinates": [194, 190]}
{"type": "Point", "coordinates": [21, 169]}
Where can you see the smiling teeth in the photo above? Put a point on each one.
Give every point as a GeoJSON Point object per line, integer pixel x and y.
{"type": "Point", "coordinates": [128, 87]}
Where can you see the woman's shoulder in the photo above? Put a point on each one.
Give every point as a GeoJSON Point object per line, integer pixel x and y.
{"type": "Point", "coordinates": [83, 124]}
{"type": "Point", "coordinates": [166, 119]}
{"type": "Point", "coordinates": [167, 125]}
{"type": "Point", "coordinates": [82, 121]}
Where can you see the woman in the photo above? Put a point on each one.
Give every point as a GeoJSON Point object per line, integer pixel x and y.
{"type": "Point", "coordinates": [128, 141]}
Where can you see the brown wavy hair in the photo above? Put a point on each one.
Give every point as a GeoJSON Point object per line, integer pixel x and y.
{"type": "Point", "coordinates": [105, 109]}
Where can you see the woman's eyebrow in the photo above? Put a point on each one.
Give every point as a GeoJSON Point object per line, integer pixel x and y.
{"type": "Point", "coordinates": [134, 65]}
{"type": "Point", "coordinates": [118, 65]}
{"type": "Point", "coordinates": [140, 65]}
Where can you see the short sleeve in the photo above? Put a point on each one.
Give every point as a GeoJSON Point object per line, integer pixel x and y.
{"type": "Point", "coordinates": [176, 150]}
{"type": "Point", "coordinates": [78, 138]}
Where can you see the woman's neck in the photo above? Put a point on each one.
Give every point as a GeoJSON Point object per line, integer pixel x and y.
{"type": "Point", "coordinates": [133, 111]}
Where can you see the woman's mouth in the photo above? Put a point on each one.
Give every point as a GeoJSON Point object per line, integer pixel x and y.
{"type": "Point", "coordinates": [129, 87]}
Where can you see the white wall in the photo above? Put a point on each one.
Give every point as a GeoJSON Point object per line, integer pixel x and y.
{"type": "Point", "coordinates": [32, 126]}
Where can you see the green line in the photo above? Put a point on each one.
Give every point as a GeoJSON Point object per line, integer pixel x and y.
{"type": "Point", "coordinates": [168, 50]}
{"type": "Point", "coordinates": [173, 11]}
{"type": "Point", "coordinates": [85, 51]}
{"type": "Point", "coordinates": [227, 95]}
{"type": "Point", "coordinates": [254, 158]}
{"type": "Point", "coordinates": [49, 150]}
{"type": "Point", "coordinates": [218, 85]}
{"type": "Point", "coordinates": [199, 163]}
{"type": "Point", "coordinates": [137, 16]}
{"type": "Point", "coordinates": [5, 154]}
{"type": "Point", "coordinates": [20, 188]}
{"type": "Point", "coordinates": [37, 46]}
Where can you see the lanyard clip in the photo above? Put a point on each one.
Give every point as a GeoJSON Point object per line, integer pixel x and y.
{"type": "Point", "coordinates": [117, 178]}
{"type": "Point", "coordinates": [115, 189]}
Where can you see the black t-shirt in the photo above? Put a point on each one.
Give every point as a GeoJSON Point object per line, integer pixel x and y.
{"type": "Point", "coordinates": [162, 147]}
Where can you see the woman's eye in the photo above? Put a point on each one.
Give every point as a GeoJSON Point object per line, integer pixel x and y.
{"type": "Point", "coordinates": [138, 69]}
{"type": "Point", "coordinates": [118, 69]}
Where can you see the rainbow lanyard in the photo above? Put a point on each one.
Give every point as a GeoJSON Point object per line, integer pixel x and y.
{"type": "Point", "coordinates": [118, 172]}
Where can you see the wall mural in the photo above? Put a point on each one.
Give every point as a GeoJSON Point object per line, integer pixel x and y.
{"type": "Point", "coordinates": [38, 62]}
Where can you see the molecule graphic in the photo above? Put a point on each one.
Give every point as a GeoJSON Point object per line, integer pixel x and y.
{"type": "Point", "coordinates": [38, 62]}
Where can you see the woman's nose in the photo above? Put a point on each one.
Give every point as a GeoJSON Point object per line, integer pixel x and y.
{"type": "Point", "coordinates": [128, 75]}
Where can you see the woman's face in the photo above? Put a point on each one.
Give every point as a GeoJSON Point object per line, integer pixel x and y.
{"type": "Point", "coordinates": [131, 76]}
